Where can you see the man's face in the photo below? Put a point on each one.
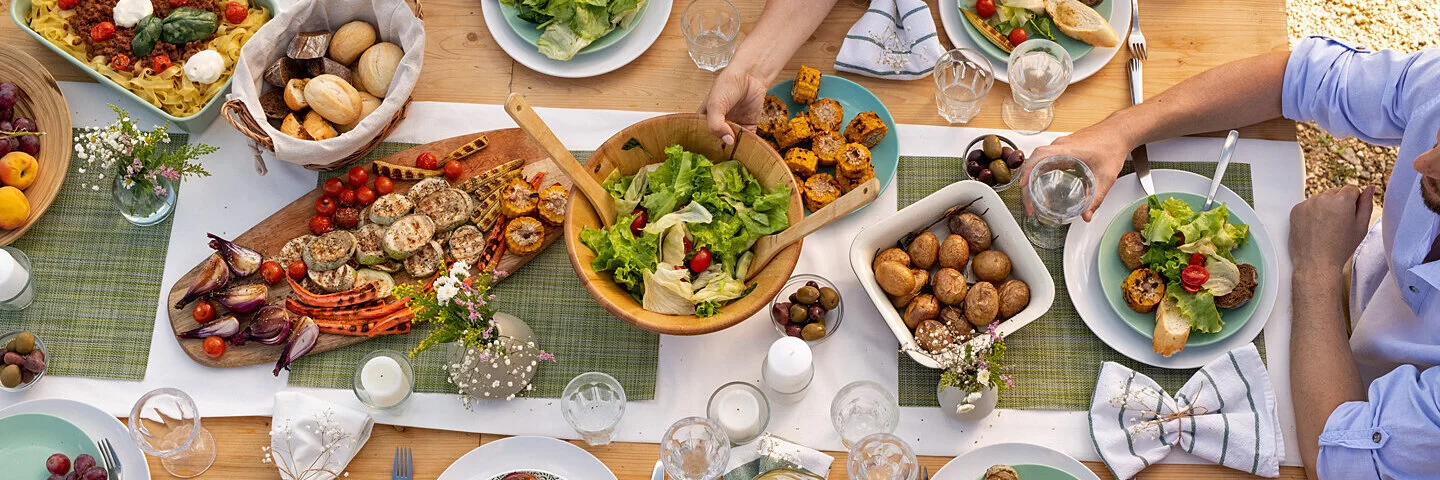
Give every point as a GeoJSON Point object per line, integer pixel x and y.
{"type": "Point", "coordinates": [1428, 165]}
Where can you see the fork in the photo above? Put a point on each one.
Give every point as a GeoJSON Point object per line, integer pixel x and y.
{"type": "Point", "coordinates": [403, 469]}
{"type": "Point", "coordinates": [107, 455]}
{"type": "Point", "coordinates": [924, 473]}
{"type": "Point", "coordinates": [1137, 39]}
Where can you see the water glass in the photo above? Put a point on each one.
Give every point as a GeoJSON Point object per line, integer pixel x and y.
{"type": "Point", "coordinates": [863, 408]}
{"type": "Point", "coordinates": [1061, 188]}
{"type": "Point", "coordinates": [593, 403]}
{"type": "Point", "coordinates": [882, 455]}
{"type": "Point", "coordinates": [695, 448]}
{"type": "Point", "coordinates": [712, 28]}
{"type": "Point", "coordinates": [962, 78]}
{"type": "Point", "coordinates": [1039, 72]}
{"type": "Point", "coordinates": [17, 287]}
{"type": "Point", "coordinates": [166, 424]}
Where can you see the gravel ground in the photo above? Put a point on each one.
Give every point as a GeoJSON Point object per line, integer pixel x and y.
{"type": "Point", "coordinates": [1403, 25]}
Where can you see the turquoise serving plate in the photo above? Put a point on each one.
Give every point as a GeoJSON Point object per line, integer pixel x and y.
{"type": "Point", "coordinates": [31, 438]}
{"type": "Point", "coordinates": [855, 99]}
{"type": "Point", "coordinates": [1113, 273]}
{"type": "Point", "coordinates": [1039, 472]}
{"type": "Point", "coordinates": [1076, 48]}
{"type": "Point", "coordinates": [194, 123]}
{"type": "Point", "coordinates": [529, 33]}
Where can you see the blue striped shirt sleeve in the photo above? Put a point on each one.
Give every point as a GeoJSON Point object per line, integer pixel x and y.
{"type": "Point", "coordinates": [1394, 434]}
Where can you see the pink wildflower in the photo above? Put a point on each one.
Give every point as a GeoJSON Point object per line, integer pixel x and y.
{"type": "Point", "coordinates": [546, 357]}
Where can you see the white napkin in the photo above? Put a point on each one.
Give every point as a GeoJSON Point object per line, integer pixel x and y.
{"type": "Point", "coordinates": [1224, 414]}
{"type": "Point", "coordinates": [771, 452]}
{"type": "Point", "coordinates": [894, 39]}
{"type": "Point", "coordinates": [312, 439]}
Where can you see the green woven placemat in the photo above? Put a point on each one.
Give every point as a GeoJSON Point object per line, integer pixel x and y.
{"type": "Point", "coordinates": [549, 297]}
{"type": "Point", "coordinates": [1056, 358]}
{"type": "Point", "coordinates": [97, 278]}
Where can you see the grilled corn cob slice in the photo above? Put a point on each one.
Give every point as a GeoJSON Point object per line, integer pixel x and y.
{"type": "Point", "coordinates": [866, 129]}
{"type": "Point", "coordinates": [807, 85]}
{"type": "Point", "coordinates": [801, 162]}
{"type": "Point", "coordinates": [797, 131]}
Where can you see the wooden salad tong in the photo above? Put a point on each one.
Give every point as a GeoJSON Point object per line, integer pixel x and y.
{"type": "Point", "coordinates": [768, 246]}
{"type": "Point", "coordinates": [538, 130]}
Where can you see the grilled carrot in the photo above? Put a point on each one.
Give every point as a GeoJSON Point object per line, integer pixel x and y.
{"type": "Point", "coordinates": [356, 296]}
{"type": "Point", "coordinates": [535, 182]}
{"type": "Point", "coordinates": [369, 312]}
{"type": "Point", "coordinates": [368, 328]}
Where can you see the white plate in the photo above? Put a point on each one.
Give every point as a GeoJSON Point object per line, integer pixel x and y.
{"type": "Point", "coordinates": [1082, 274]}
{"type": "Point", "coordinates": [588, 65]}
{"type": "Point", "coordinates": [95, 423]}
{"type": "Point", "coordinates": [1025, 263]}
{"type": "Point", "coordinates": [971, 466]}
{"type": "Point", "coordinates": [527, 453]}
{"type": "Point", "coordinates": [1084, 68]}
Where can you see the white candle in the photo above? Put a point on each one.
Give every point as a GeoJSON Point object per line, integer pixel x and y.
{"type": "Point", "coordinates": [789, 366]}
{"type": "Point", "coordinates": [13, 279]}
{"type": "Point", "coordinates": [384, 380]}
{"type": "Point", "coordinates": [738, 413]}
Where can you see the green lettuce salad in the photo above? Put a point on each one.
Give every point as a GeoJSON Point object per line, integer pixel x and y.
{"type": "Point", "coordinates": [570, 25]}
{"type": "Point", "coordinates": [1176, 233]}
{"type": "Point", "coordinates": [691, 208]}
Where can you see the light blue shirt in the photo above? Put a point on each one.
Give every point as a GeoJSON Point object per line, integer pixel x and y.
{"type": "Point", "coordinates": [1385, 98]}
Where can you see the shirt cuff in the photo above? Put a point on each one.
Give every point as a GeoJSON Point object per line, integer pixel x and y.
{"type": "Point", "coordinates": [1304, 58]}
{"type": "Point", "coordinates": [1348, 442]}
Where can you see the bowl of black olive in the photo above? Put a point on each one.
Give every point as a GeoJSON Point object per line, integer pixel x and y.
{"type": "Point", "coordinates": [809, 307]}
{"type": "Point", "coordinates": [993, 160]}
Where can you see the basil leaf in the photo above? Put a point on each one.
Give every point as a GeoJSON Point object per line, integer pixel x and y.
{"type": "Point", "coordinates": [185, 25]}
{"type": "Point", "coordinates": [147, 32]}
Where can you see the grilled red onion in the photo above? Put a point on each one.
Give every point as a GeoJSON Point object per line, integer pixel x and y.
{"type": "Point", "coordinates": [242, 261]}
{"type": "Point", "coordinates": [224, 328]}
{"type": "Point", "coordinates": [213, 276]}
{"type": "Point", "coordinates": [243, 298]}
{"type": "Point", "coordinates": [271, 325]}
{"type": "Point", "coordinates": [301, 342]}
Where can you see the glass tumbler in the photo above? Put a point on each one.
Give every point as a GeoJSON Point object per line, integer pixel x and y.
{"type": "Point", "coordinates": [1061, 188]}
{"type": "Point", "coordinates": [712, 29]}
{"type": "Point", "coordinates": [17, 287]}
{"type": "Point", "coordinates": [593, 403]}
{"type": "Point", "coordinates": [863, 408]}
{"type": "Point", "coordinates": [882, 455]}
{"type": "Point", "coordinates": [166, 424]}
{"type": "Point", "coordinates": [1039, 72]}
{"type": "Point", "coordinates": [962, 78]}
{"type": "Point", "coordinates": [695, 448]}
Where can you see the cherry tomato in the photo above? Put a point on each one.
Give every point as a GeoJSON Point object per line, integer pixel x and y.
{"type": "Point", "coordinates": [364, 195]}
{"type": "Point", "coordinates": [332, 187]}
{"type": "Point", "coordinates": [204, 311]}
{"type": "Point", "coordinates": [324, 206]}
{"type": "Point", "coordinates": [985, 8]}
{"type": "Point", "coordinates": [179, 3]}
{"type": "Point", "coordinates": [638, 223]}
{"type": "Point", "coordinates": [1017, 36]}
{"type": "Point", "coordinates": [701, 260]}
{"type": "Point", "coordinates": [358, 177]}
{"type": "Point", "coordinates": [102, 31]}
{"type": "Point", "coordinates": [453, 169]}
{"type": "Point", "coordinates": [296, 270]}
{"type": "Point", "coordinates": [1194, 276]}
{"type": "Point", "coordinates": [320, 225]}
{"type": "Point", "coordinates": [427, 161]}
{"type": "Point", "coordinates": [68, 4]}
{"type": "Point", "coordinates": [347, 217]}
{"type": "Point", "coordinates": [272, 272]}
{"type": "Point", "coordinates": [1197, 259]}
{"type": "Point", "coordinates": [120, 62]}
{"type": "Point", "coordinates": [214, 347]}
{"type": "Point", "coordinates": [384, 185]}
{"type": "Point", "coordinates": [235, 12]}
{"type": "Point", "coordinates": [347, 197]}
{"type": "Point", "coordinates": [160, 63]}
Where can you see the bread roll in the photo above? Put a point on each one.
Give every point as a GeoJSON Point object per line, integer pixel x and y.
{"type": "Point", "coordinates": [316, 126]}
{"type": "Point", "coordinates": [368, 104]}
{"type": "Point", "coordinates": [376, 67]}
{"type": "Point", "coordinates": [295, 94]}
{"type": "Point", "coordinates": [333, 98]}
{"type": "Point", "coordinates": [351, 40]}
{"type": "Point", "coordinates": [291, 126]}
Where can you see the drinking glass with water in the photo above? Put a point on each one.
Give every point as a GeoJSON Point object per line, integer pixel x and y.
{"type": "Point", "coordinates": [1061, 188]}
{"type": "Point", "coordinates": [863, 408]}
{"type": "Point", "coordinates": [1039, 72]}
{"type": "Point", "coordinates": [711, 28]}
{"type": "Point", "coordinates": [962, 78]}
{"type": "Point", "coordinates": [593, 403]}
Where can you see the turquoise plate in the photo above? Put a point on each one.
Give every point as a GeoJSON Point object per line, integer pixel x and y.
{"type": "Point", "coordinates": [24, 454]}
{"type": "Point", "coordinates": [527, 31]}
{"type": "Point", "coordinates": [854, 99]}
{"type": "Point", "coordinates": [1076, 48]}
{"type": "Point", "coordinates": [1113, 273]}
{"type": "Point", "coordinates": [1039, 472]}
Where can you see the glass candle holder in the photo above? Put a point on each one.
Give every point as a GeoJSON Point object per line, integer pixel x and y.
{"type": "Point", "coordinates": [384, 379]}
{"type": "Point", "coordinates": [742, 411]}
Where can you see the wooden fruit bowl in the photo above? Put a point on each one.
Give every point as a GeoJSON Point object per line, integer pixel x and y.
{"type": "Point", "coordinates": [41, 100]}
{"type": "Point", "coordinates": [689, 131]}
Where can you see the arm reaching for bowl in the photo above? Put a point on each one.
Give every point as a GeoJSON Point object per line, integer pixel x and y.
{"type": "Point", "coordinates": [739, 89]}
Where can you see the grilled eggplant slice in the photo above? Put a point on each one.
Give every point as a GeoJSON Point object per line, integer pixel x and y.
{"type": "Point", "coordinates": [383, 282]}
{"type": "Point", "coordinates": [467, 243]}
{"type": "Point", "coordinates": [336, 280]}
{"type": "Point", "coordinates": [294, 249]}
{"type": "Point", "coordinates": [390, 266]}
{"type": "Point", "coordinates": [389, 208]}
{"type": "Point", "coordinates": [449, 208]}
{"type": "Point", "coordinates": [407, 235]}
{"type": "Point", "coordinates": [368, 249]}
{"type": "Point", "coordinates": [426, 261]}
{"type": "Point", "coordinates": [330, 251]}
{"type": "Point", "coordinates": [425, 187]}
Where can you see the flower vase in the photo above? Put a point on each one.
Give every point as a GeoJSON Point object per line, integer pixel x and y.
{"type": "Point", "coordinates": [486, 375]}
{"type": "Point", "coordinates": [145, 203]}
{"type": "Point", "coordinates": [967, 406]}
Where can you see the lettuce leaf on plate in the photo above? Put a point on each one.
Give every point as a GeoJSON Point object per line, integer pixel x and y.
{"type": "Point", "coordinates": [1199, 308]}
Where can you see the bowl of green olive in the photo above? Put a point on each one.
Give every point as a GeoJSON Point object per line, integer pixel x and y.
{"type": "Point", "coordinates": [23, 361]}
{"type": "Point", "coordinates": [809, 307]}
{"type": "Point", "coordinates": [993, 160]}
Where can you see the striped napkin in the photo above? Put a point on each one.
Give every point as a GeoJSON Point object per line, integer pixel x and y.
{"type": "Point", "coordinates": [894, 39]}
{"type": "Point", "coordinates": [1224, 414]}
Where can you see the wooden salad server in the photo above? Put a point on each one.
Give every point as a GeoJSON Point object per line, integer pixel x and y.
{"type": "Point", "coordinates": [767, 246]}
{"type": "Point", "coordinates": [531, 123]}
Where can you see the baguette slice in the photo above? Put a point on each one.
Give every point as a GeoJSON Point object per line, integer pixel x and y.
{"type": "Point", "coordinates": [1171, 328]}
{"type": "Point", "coordinates": [1082, 23]}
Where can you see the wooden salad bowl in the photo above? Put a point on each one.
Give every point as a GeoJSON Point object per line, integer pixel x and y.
{"type": "Point", "coordinates": [41, 100]}
{"type": "Point", "coordinates": [690, 131]}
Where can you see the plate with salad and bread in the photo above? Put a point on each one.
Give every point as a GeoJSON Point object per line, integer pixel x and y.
{"type": "Point", "coordinates": [1089, 30]}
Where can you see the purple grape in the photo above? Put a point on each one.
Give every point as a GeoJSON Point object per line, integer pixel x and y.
{"type": "Point", "coordinates": [7, 113]}
{"type": "Point", "coordinates": [7, 145]}
{"type": "Point", "coordinates": [7, 126]}
{"type": "Point", "coordinates": [95, 473]}
{"type": "Point", "coordinates": [23, 124]}
{"type": "Point", "coordinates": [30, 144]}
{"type": "Point", "coordinates": [56, 476]}
{"type": "Point", "coordinates": [83, 462]}
{"type": "Point", "coordinates": [73, 475]}
{"type": "Point", "coordinates": [58, 464]}
{"type": "Point", "coordinates": [9, 93]}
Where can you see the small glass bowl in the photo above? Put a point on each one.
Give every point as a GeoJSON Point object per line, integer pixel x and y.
{"type": "Point", "coordinates": [833, 318]}
{"type": "Point", "coordinates": [39, 345]}
{"type": "Point", "coordinates": [406, 369]}
{"type": "Point", "coordinates": [975, 145]}
{"type": "Point", "coordinates": [712, 410]}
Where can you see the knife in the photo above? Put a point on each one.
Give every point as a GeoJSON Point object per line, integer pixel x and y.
{"type": "Point", "coordinates": [1140, 157]}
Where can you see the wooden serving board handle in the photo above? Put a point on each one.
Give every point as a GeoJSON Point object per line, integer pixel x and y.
{"type": "Point", "coordinates": [767, 246]}
{"type": "Point", "coordinates": [531, 123]}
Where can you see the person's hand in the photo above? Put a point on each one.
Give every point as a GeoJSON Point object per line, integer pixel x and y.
{"type": "Point", "coordinates": [738, 96]}
{"type": "Point", "coordinates": [1326, 229]}
{"type": "Point", "coordinates": [1103, 152]}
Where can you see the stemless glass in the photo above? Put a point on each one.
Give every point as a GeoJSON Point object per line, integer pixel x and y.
{"type": "Point", "coordinates": [166, 424]}
{"type": "Point", "coordinates": [962, 78]}
{"type": "Point", "coordinates": [712, 28]}
{"type": "Point", "coordinates": [882, 455]}
{"type": "Point", "coordinates": [593, 403]}
{"type": "Point", "coordinates": [695, 448]}
{"type": "Point", "coordinates": [1039, 72]}
{"type": "Point", "coordinates": [1061, 188]}
{"type": "Point", "coordinates": [863, 408]}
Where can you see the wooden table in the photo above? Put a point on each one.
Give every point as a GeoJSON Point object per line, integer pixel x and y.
{"type": "Point", "coordinates": [1185, 38]}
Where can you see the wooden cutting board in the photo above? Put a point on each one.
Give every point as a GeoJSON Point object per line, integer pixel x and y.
{"type": "Point", "coordinates": [292, 221]}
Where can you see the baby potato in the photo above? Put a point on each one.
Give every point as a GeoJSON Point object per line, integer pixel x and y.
{"type": "Point", "coordinates": [954, 252]}
{"type": "Point", "coordinates": [949, 286]}
{"type": "Point", "coordinates": [894, 278]}
{"type": "Point", "coordinates": [954, 319]}
{"type": "Point", "coordinates": [921, 276]}
{"type": "Point", "coordinates": [975, 230]}
{"type": "Point", "coordinates": [1132, 247]}
{"type": "Point", "coordinates": [992, 266]}
{"type": "Point", "coordinates": [1014, 297]}
{"type": "Point", "coordinates": [1141, 217]}
{"type": "Point", "coordinates": [933, 336]}
{"type": "Point", "coordinates": [923, 307]}
{"type": "Point", "coordinates": [982, 304]}
{"type": "Point", "coordinates": [892, 255]}
{"type": "Point", "coordinates": [924, 249]}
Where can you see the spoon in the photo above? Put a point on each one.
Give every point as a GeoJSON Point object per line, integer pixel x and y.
{"type": "Point", "coordinates": [1225, 153]}
{"type": "Point", "coordinates": [532, 124]}
{"type": "Point", "coordinates": [767, 246]}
